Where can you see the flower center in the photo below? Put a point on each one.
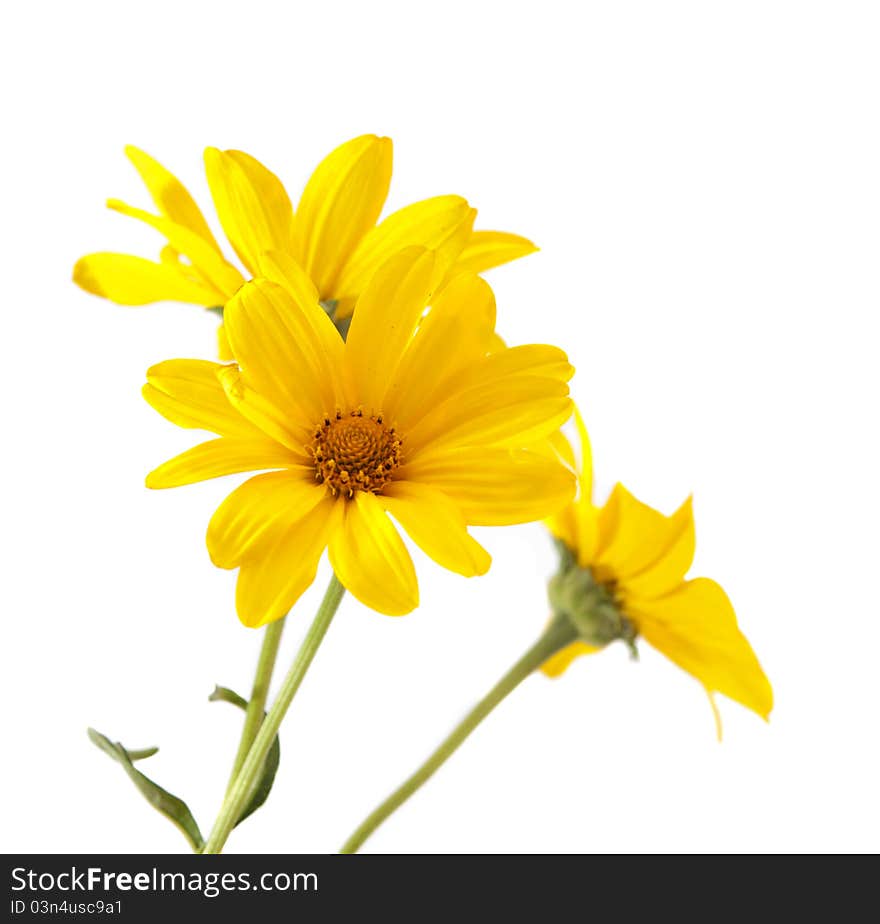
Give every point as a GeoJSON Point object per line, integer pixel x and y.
{"type": "Point", "coordinates": [355, 453]}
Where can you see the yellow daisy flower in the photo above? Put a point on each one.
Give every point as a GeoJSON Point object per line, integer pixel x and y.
{"type": "Point", "coordinates": [332, 236]}
{"type": "Point", "coordinates": [624, 576]}
{"type": "Point", "coordinates": [410, 416]}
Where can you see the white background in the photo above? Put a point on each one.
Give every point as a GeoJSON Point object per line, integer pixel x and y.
{"type": "Point", "coordinates": [704, 182]}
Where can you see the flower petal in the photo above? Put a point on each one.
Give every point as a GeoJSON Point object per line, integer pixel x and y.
{"type": "Point", "coordinates": [256, 511]}
{"type": "Point", "coordinates": [558, 663]}
{"type": "Point", "coordinates": [252, 204]}
{"type": "Point", "coordinates": [586, 454]}
{"type": "Point", "coordinates": [288, 349]}
{"type": "Point", "coordinates": [205, 259]}
{"type": "Point", "coordinates": [170, 195]}
{"type": "Point", "coordinates": [532, 359]}
{"type": "Point", "coordinates": [370, 559]}
{"type": "Point", "coordinates": [487, 249]}
{"type": "Point", "coordinates": [384, 322]}
{"type": "Point", "coordinates": [224, 351]}
{"type": "Point", "coordinates": [188, 393]}
{"type": "Point", "coordinates": [558, 444]}
{"type": "Point", "coordinates": [442, 224]}
{"type": "Point", "coordinates": [291, 431]}
{"type": "Point", "coordinates": [586, 514]}
{"type": "Point", "coordinates": [497, 343]}
{"type": "Point", "coordinates": [436, 526]}
{"type": "Point", "coordinates": [513, 410]}
{"type": "Point", "coordinates": [633, 535]}
{"type": "Point", "coordinates": [270, 583]}
{"type": "Point", "coordinates": [670, 566]}
{"type": "Point", "coordinates": [283, 269]}
{"type": "Point", "coordinates": [578, 524]}
{"type": "Point", "coordinates": [340, 203]}
{"type": "Point", "coordinates": [455, 333]}
{"type": "Point", "coordinates": [695, 627]}
{"type": "Point", "coordinates": [495, 487]}
{"type": "Point", "coordinates": [227, 455]}
{"type": "Point", "coordinates": [129, 280]}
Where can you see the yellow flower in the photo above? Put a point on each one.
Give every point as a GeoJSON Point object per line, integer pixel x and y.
{"type": "Point", "coordinates": [410, 416]}
{"type": "Point", "coordinates": [633, 560]}
{"type": "Point", "coordinates": [332, 236]}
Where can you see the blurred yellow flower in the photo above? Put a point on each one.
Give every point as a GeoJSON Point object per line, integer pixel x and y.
{"type": "Point", "coordinates": [632, 560]}
{"type": "Point", "coordinates": [332, 236]}
{"type": "Point", "coordinates": [410, 416]}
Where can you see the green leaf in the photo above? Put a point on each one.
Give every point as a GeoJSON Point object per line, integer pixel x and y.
{"type": "Point", "coordinates": [270, 766]}
{"type": "Point", "coordinates": [174, 809]}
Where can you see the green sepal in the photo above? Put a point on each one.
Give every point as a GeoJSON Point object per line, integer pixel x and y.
{"type": "Point", "coordinates": [589, 606]}
{"type": "Point", "coordinates": [174, 809]}
{"type": "Point", "coordinates": [217, 309]}
{"type": "Point", "coordinates": [270, 765]}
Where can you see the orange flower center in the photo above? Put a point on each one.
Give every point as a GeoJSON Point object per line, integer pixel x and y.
{"type": "Point", "coordinates": [355, 453]}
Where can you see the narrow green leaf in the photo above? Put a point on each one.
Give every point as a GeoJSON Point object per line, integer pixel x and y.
{"type": "Point", "coordinates": [270, 766]}
{"type": "Point", "coordinates": [143, 754]}
{"type": "Point", "coordinates": [225, 695]}
{"type": "Point", "coordinates": [174, 809]}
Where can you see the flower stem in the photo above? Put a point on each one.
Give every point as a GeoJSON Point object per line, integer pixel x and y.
{"type": "Point", "coordinates": [253, 763]}
{"type": "Point", "coordinates": [260, 690]}
{"type": "Point", "coordinates": [557, 635]}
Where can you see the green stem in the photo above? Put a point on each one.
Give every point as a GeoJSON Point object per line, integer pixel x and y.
{"type": "Point", "coordinates": [253, 763]}
{"type": "Point", "coordinates": [260, 690]}
{"type": "Point", "coordinates": [558, 634]}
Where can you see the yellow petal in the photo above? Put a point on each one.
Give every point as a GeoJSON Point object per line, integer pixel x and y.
{"type": "Point", "coordinates": [288, 349]}
{"type": "Point", "coordinates": [384, 322]}
{"type": "Point", "coordinates": [188, 393]}
{"type": "Point", "coordinates": [563, 526]}
{"type": "Point", "coordinates": [695, 627]}
{"type": "Point", "coordinates": [559, 444]}
{"type": "Point", "coordinates": [370, 559]}
{"type": "Point", "coordinates": [270, 583]}
{"type": "Point", "coordinates": [455, 334]}
{"type": "Point", "coordinates": [586, 454]}
{"type": "Point", "coordinates": [587, 533]}
{"type": "Point", "coordinates": [496, 344]}
{"type": "Point", "coordinates": [556, 664]}
{"type": "Point", "coordinates": [495, 487]}
{"type": "Point", "coordinates": [634, 535]}
{"type": "Point", "coordinates": [129, 280]}
{"type": "Point", "coordinates": [205, 259]}
{"type": "Point", "coordinates": [577, 525]}
{"type": "Point", "coordinates": [340, 203]}
{"type": "Point", "coordinates": [255, 513]}
{"type": "Point", "coordinates": [282, 269]}
{"type": "Point", "coordinates": [252, 204]}
{"type": "Point", "coordinates": [533, 359]}
{"type": "Point", "coordinates": [224, 456]}
{"type": "Point", "coordinates": [585, 513]}
{"type": "Point", "coordinates": [224, 350]}
{"type": "Point", "coordinates": [436, 526]}
{"type": "Point", "coordinates": [291, 430]}
{"type": "Point", "coordinates": [673, 560]}
{"type": "Point", "coordinates": [442, 224]}
{"type": "Point", "coordinates": [487, 249]}
{"type": "Point", "coordinates": [513, 410]}
{"type": "Point", "coordinates": [170, 195]}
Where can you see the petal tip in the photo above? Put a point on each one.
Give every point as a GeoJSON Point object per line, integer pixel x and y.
{"type": "Point", "coordinates": [84, 277]}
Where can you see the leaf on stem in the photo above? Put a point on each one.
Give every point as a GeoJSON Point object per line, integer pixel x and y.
{"type": "Point", "coordinates": [270, 766]}
{"type": "Point", "coordinates": [174, 809]}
